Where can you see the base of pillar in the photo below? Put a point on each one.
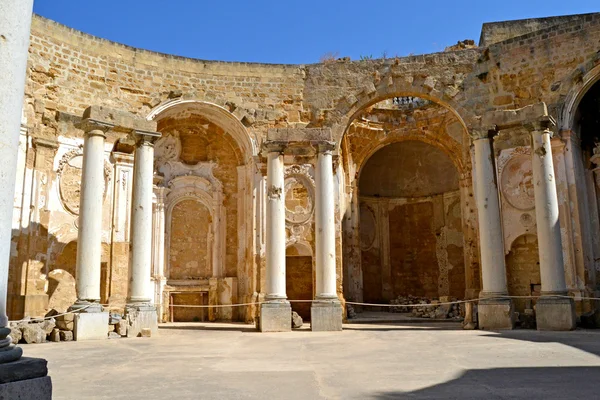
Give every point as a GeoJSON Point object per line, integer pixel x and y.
{"type": "Point", "coordinates": [275, 316]}
{"type": "Point", "coordinates": [26, 378]}
{"type": "Point", "coordinates": [84, 306]}
{"type": "Point", "coordinates": [555, 314]}
{"type": "Point", "coordinates": [495, 314]}
{"type": "Point", "coordinates": [140, 317]}
{"type": "Point", "coordinates": [90, 326]}
{"type": "Point", "coordinates": [326, 316]}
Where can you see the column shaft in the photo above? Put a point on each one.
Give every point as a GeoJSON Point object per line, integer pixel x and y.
{"type": "Point", "coordinates": [89, 239]}
{"type": "Point", "coordinates": [546, 209]}
{"type": "Point", "coordinates": [325, 227]}
{"type": "Point", "coordinates": [491, 241]}
{"type": "Point", "coordinates": [15, 23]}
{"type": "Point", "coordinates": [140, 289]}
{"type": "Point", "coordinates": [275, 232]}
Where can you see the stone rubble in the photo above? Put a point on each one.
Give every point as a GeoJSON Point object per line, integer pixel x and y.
{"type": "Point", "coordinates": [297, 321]}
{"type": "Point", "coordinates": [431, 307]}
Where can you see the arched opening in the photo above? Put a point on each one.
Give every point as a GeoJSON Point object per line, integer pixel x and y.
{"type": "Point", "coordinates": [404, 231]}
{"type": "Point", "coordinates": [585, 177]}
{"type": "Point", "coordinates": [299, 278]}
{"type": "Point", "coordinates": [410, 197]}
{"type": "Point", "coordinates": [523, 271]}
{"type": "Point", "coordinates": [205, 152]}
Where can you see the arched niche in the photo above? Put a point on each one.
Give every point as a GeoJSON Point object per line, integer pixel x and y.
{"type": "Point", "coordinates": [208, 194]}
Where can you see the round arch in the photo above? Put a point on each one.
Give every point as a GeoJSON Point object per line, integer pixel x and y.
{"type": "Point", "coordinates": [574, 97]}
{"type": "Point", "coordinates": [216, 114]}
{"type": "Point", "coordinates": [453, 156]}
{"type": "Point", "coordinates": [348, 112]}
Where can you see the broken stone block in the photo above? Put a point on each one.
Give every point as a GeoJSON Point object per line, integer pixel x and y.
{"type": "Point", "coordinates": [48, 325]}
{"type": "Point", "coordinates": [65, 322]}
{"type": "Point", "coordinates": [15, 334]}
{"type": "Point", "coordinates": [55, 335]}
{"type": "Point", "coordinates": [33, 333]}
{"type": "Point", "coordinates": [66, 336]}
{"type": "Point", "coordinates": [121, 327]}
{"type": "Point", "coordinates": [296, 320]}
{"type": "Point", "coordinates": [146, 332]}
{"type": "Point", "coordinates": [114, 335]}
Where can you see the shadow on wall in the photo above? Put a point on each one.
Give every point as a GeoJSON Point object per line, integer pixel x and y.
{"type": "Point", "coordinates": [512, 383]}
{"type": "Point", "coordinates": [42, 272]}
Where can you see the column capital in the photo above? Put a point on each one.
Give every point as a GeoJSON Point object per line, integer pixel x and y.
{"type": "Point", "coordinates": [543, 124]}
{"type": "Point", "coordinates": [273, 146]}
{"type": "Point", "coordinates": [145, 138]}
{"type": "Point", "coordinates": [325, 147]}
{"type": "Point", "coordinates": [95, 127]}
{"type": "Point", "coordinates": [483, 132]}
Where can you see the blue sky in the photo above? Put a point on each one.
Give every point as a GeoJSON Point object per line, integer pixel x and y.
{"type": "Point", "coordinates": [294, 32]}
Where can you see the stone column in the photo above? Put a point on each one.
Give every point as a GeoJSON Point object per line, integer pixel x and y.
{"type": "Point", "coordinates": [326, 312]}
{"type": "Point", "coordinates": [90, 322]}
{"type": "Point", "coordinates": [275, 313]}
{"type": "Point", "coordinates": [140, 312]}
{"type": "Point", "coordinates": [552, 312]}
{"type": "Point", "coordinates": [495, 310]}
{"type": "Point", "coordinates": [89, 238]}
{"type": "Point", "coordinates": [158, 241]}
{"type": "Point", "coordinates": [28, 375]}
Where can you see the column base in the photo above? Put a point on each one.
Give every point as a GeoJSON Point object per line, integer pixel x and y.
{"type": "Point", "coordinates": [555, 314]}
{"type": "Point", "coordinates": [495, 314]}
{"type": "Point", "coordinates": [26, 378]}
{"type": "Point", "coordinates": [90, 326]}
{"type": "Point", "coordinates": [84, 306]}
{"type": "Point", "coordinates": [326, 316]}
{"type": "Point", "coordinates": [275, 316]}
{"type": "Point", "coordinates": [142, 316]}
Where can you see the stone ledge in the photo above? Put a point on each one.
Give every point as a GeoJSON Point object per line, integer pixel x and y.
{"type": "Point", "coordinates": [29, 389]}
{"type": "Point", "coordinates": [23, 369]}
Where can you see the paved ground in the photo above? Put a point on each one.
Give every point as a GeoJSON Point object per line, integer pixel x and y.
{"type": "Point", "coordinates": [420, 361]}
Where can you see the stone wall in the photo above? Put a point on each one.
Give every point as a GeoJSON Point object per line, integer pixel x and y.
{"type": "Point", "coordinates": [550, 60]}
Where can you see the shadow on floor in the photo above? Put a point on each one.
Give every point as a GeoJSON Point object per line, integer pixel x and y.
{"type": "Point", "coordinates": [582, 339]}
{"type": "Point", "coordinates": [512, 383]}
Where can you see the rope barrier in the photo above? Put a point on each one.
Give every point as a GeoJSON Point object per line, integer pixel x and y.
{"type": "Point", "coordinates": [311, 301]}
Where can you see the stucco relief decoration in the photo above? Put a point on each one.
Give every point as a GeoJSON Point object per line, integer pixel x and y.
{"type": "Point", "coordinates": [167, 148]}
{"type": "Point", "coordinates": [516, 179]}
{"type": "Point", "coordinates": [299, 194]}
{"type": "Point", "coordinates": [368, 226]}
{"type": "Point", "coordinates": [69, 183]}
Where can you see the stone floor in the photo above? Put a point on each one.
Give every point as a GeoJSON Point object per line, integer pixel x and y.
{"type": "Point", "coordinates": [420, 361]}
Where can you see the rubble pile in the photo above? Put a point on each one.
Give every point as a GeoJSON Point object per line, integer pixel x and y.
{"type": "Point", "coordinates": [431, 308]}
{"type": "Point", "coordinates": [57, 327]}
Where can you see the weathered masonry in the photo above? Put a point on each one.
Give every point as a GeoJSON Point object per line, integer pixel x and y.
{"type": "Point", "coordinates": [470, 173]}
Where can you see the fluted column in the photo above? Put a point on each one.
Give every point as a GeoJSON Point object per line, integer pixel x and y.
{"type": "Point", "coordinates": [553, 313]}
{"type": "Point", "coordinates": [141, 220]}
{"type": "Point", "coordinates": [15, 22]}
{"type": "Point", "coordinates": [326, 311]}
{"type": "Point", "coordinates": [89, 238]}
{"type": "Point", "coordinates": [495, 312]}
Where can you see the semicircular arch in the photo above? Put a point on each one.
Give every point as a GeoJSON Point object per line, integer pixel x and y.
{"type": "Point", "coordinates": [214, 113]}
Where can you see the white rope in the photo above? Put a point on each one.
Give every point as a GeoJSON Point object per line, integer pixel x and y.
{"type": "Point", "coordinates": [52, 316]}
{"type": "Point", "coordinates": [311, 301]}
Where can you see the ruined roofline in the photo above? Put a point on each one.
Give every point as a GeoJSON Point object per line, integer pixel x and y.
{"type": "Point", "coordinates": [501, 31]}
{"type": "Point", "coordinates": [55, 31]}
{"type": "Point", "coordinates": [75, 32]}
